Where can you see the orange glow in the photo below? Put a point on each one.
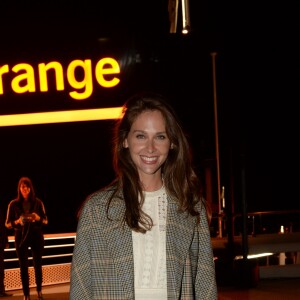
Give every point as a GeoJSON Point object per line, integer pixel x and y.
{"type": "Point", "coordinates": [86, 83]}
{"type": "Point", "coordinates": [107, 66]}
{"type": "Point", "coordinates": [27, 77]}
{"type": "Point", "coordinates": [61, 116]}
{"type": "Point", "coordinates": [4, 69]}
{"type": "Point", "coordinates": [44, 68]}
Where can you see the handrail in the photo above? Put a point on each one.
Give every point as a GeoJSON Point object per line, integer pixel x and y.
{"type": "Point", "coordinates": [57, 266]}
{"type": "Point", "coordinates": [47, 237]}
{"type": "Point", "coordinates": [261, 222]}
{"type": "Point", "coordinates": [58, 252]}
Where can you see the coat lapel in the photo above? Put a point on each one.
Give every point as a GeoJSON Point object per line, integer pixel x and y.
{"type": "Point", "coordinates": [180, 230]}
{"type": "Point", "coordinates": [119, 239]}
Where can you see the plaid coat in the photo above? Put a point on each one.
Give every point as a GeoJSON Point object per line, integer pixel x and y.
{"type": "Point", "coordinates": [102, 263]}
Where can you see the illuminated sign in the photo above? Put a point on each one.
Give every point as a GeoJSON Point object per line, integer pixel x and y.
{"type": "Point", "coordinates": [24, 81]}
{"type": "Point", "coordinates": [61, 116]}
{"type": "Point", "coordinates": [80, 76]}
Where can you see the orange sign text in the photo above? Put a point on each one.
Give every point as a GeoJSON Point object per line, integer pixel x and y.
{"type": "Point", "coordinates": [23, 76]}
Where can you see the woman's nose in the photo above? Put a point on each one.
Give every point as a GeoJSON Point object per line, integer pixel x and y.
{"type": "Point", "coordinates": [150, 146]}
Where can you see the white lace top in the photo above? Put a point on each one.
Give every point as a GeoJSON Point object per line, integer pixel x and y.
{"type": "Point", "coordinates": [150, 250]}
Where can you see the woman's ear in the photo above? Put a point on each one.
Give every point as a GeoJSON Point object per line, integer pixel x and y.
{"type": "Point", "coordinates": [125, 144]}
{"type": "Point", "coordinates": [172, 146]}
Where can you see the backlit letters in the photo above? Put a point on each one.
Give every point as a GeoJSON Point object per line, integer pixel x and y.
{"type": "Point", "coordinates": [105, 72]}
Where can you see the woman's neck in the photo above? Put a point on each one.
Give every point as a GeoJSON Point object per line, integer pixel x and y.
{"type": "Point", "coordinates": [153, 185]}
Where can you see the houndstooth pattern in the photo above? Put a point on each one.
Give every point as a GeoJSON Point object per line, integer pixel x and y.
{"type": "Point", "coordinates": [102, 263]}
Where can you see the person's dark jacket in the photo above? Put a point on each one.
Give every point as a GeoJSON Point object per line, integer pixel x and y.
{"type": "Point", "coordinates": [15, 211]}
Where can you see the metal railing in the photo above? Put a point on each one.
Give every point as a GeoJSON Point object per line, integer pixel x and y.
{"type": "Point", "coordinates": [262, 222]}
{"type": "Point", "coordinates": [273, 238]}
{"type": "Point", "coordinates": [56, 261]}
{"type": "Point", "coordinates": [59, 247]}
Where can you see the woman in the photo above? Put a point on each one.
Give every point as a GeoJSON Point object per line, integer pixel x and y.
{"type": "Point", "coordinates": [26, 214]}
{"type": "Point", "coordinates": [146, 235]}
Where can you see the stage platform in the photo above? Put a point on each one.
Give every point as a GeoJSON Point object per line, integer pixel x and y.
{"type": "Point", "coordinates": [266, 289]}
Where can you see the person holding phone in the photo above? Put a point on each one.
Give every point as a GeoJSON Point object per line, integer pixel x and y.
{"type": "Point", "coordinates": [27, 215]}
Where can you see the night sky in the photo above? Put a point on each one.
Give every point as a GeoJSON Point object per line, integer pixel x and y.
{"type": "Point", "coordinates": [257, 68]}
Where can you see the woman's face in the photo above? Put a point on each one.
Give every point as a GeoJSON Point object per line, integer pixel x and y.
{"type": "Point", "coordinates": [148, 142]}
{"type": "Point", "coordinates": [25, 190]}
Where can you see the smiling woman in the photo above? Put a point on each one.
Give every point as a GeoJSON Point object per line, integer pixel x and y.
{"type": "Point", "coordinates": [146, 235]}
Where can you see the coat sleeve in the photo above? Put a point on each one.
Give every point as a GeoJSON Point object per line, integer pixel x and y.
{"type": "Point", "coordinates": [80, 282]}
{"type": "Point", "coordinates": [205, 285]}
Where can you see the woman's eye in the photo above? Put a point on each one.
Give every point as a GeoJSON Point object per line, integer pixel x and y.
{"type": "Point", "coordinates": [161, 137]}
{"type": "Point", "coordinates": [140, 136]}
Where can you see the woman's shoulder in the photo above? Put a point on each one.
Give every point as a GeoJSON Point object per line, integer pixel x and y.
{"type": "Point", "coordinates": [13, 202]}
{"type": "Point", "coordinates": [38, 200]}
{"type": "Point", "coordinates": [100, 197]}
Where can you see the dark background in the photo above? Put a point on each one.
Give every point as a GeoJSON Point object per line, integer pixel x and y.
{"type": "Point", "coordinates": [257, 68]}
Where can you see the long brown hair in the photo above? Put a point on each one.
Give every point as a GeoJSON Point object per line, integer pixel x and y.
{"type": "Point", "coordinates": [180, 179]}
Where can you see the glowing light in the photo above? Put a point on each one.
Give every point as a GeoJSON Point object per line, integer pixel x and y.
{"type": "Point", "coordinates": [24, 81]}
{"type": "Point", "coordinates": [61, 116]}
{"type": "Point", "coordinates": [186, 23]}
{"type": "Point", "coordinates": [254, 255]}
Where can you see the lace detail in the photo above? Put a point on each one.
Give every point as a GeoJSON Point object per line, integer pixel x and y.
{"type": "Point", "coordinates": [162, 212]}
{"type": "Point", "coordinates": [150, 248]}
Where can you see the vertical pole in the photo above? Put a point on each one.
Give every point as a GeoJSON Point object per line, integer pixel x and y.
{"type": "Point", "coordinates": [282, 256]}
{"type": "Point", "coordinates": [213, 55]}
{"type": "Point", "coordinates": [244, 212]}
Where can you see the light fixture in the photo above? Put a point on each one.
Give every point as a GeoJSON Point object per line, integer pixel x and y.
{"type": "Point", "coordinates": [254, 255]}
{"type": "Point", "coordinates": [173, 13]}
{"type": "Point", "coordinates": [173, 16]}
{"type": "Point", "coordinates": [186, 22]}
